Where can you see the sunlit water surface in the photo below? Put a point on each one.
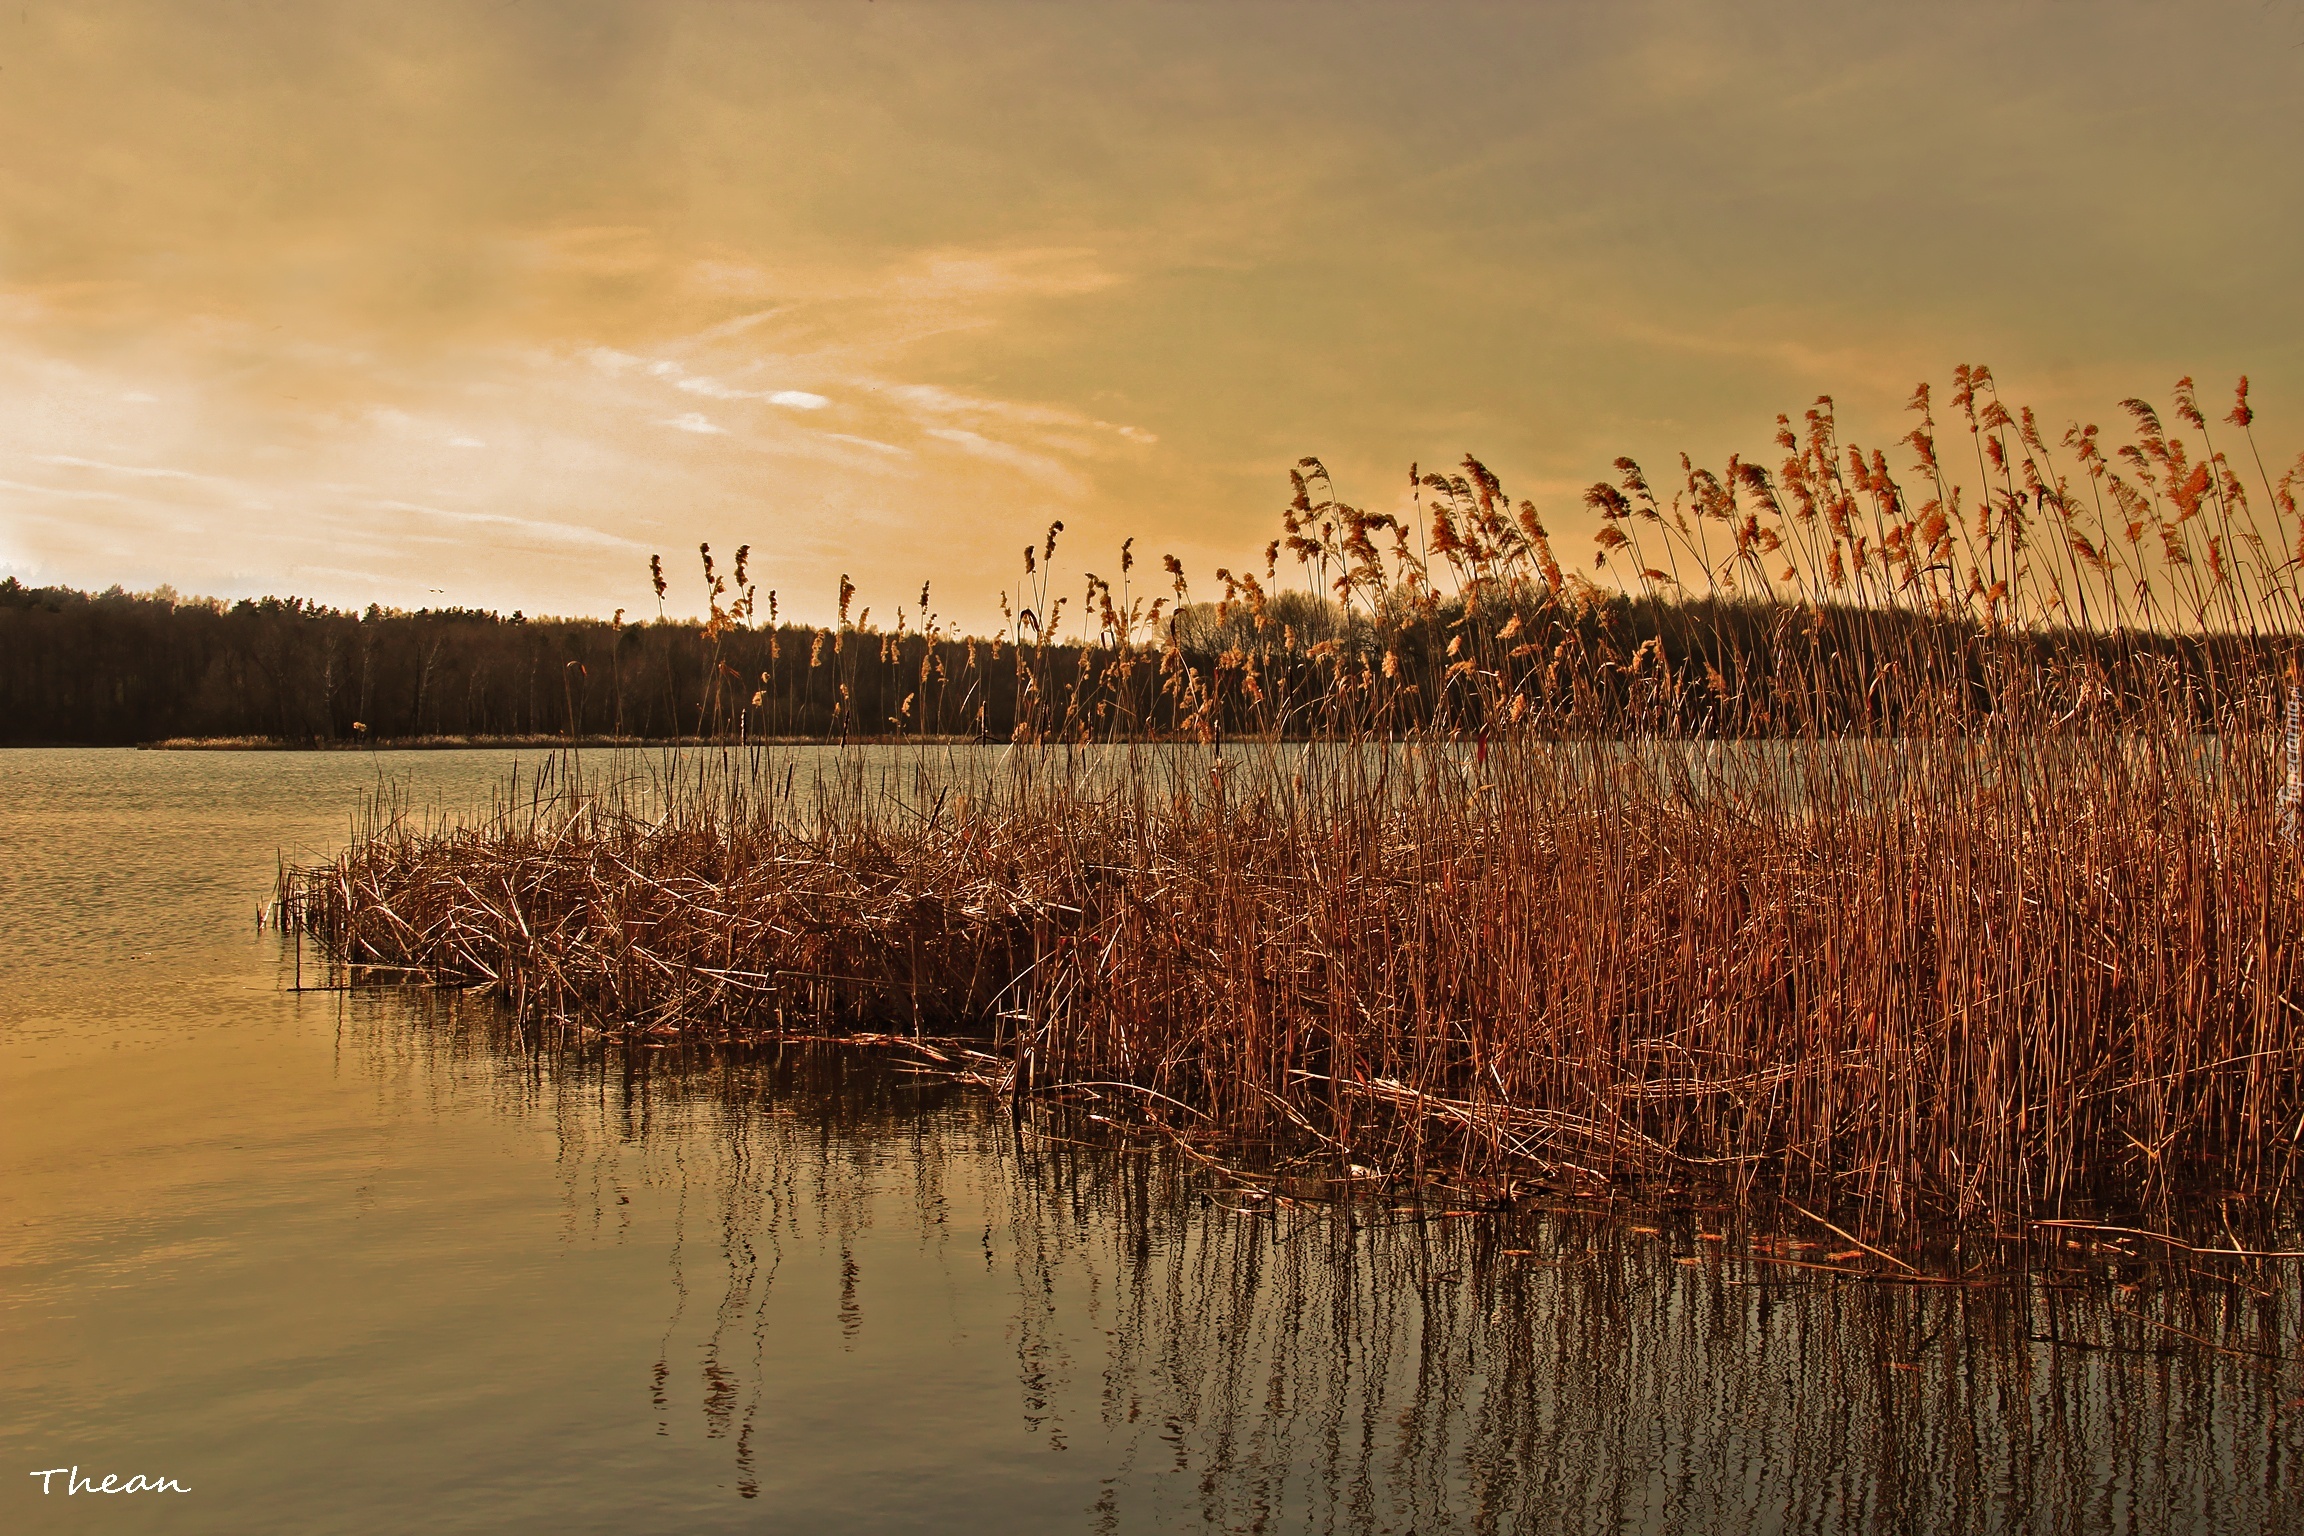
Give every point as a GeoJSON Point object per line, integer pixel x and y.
{"type": "Point", "coordinates": [366, 1262]}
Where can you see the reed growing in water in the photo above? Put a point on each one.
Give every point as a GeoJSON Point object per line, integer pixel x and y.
{"type": "Point", "coordinates": [1932, 848]}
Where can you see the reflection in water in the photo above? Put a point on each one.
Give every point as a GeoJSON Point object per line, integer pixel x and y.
{"type": "Point", "coordinates": [1267, 1365]}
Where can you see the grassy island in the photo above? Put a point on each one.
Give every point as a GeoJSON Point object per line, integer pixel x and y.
{"type": "Point", "coordinates": [1926, 845]}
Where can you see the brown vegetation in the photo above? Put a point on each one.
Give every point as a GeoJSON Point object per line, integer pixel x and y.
{"type": "Point", "coordinates": [1933, 852]}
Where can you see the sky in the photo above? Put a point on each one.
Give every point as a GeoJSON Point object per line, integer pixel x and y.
{"type": "Point", "coordinates": [483, 304]}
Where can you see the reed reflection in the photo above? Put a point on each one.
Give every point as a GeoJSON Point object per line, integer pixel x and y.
{"type": "Point", "coordinates": [1225, 1352]}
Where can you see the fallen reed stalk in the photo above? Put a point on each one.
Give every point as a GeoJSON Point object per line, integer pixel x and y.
{"type": "Point", "coordinates": [1862, 876]}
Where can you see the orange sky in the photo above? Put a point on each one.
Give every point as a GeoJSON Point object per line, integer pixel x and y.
{"type": "Point", "coordinates": [484, 303]}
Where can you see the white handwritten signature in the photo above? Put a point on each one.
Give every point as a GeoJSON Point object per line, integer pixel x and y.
{"type": "Point", "coordinates": [75, 1483]}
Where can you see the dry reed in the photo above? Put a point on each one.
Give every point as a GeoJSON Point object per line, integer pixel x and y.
{"type": "Point", "coordinates": [1935, 852]}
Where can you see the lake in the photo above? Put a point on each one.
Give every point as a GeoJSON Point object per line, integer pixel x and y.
{"type": "Point", "coordinates": [372, 1261]}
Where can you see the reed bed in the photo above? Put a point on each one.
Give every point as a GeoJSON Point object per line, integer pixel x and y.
{"type": "Point", "coordinates": [1932, 852]}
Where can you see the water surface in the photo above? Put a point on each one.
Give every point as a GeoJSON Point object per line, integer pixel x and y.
{"type": "Point", "coordinates": [373, 1262]}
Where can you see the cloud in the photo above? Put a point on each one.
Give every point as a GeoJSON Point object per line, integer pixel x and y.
{"type": "Point", "coordinates": [466, 442]}
{"type": "Point", "coordinates": [1057, 272]}
{"type": "Point", "coordinates": [739, 325]}
{"type": "Point", "coordinates": [1889, 362]}
{"type": "Point", "coordinates": [949, 402]}
{"type": "Point", "coordinates": [870, 442]}
{"type": "Point", "coordinates": [936, 400]}
{"type": "Point", "coordinates": [797, 399]}
{"type": "Point", "coordinates": [1037, 465]}
{"type": "Point", "coordinates": [559, 533]}
{"type": "Point", "coordinates": [140, 471]}
{"type": "Point", "coordinates": [694, 421]}
{"type": "Point", "coordinates": [62, 492]}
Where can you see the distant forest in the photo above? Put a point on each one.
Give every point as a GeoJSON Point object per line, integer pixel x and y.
{"type": "Point", "coordinates": [119, 668]}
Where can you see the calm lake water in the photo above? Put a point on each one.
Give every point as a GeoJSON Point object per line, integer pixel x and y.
{"type": "Point", "coordinates": [368, 1262]}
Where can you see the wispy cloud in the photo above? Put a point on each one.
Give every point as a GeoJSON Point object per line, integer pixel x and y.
{"type": "Point", "coordinates": [694, 421]}
{"type": "Point", "coordinates": [141, 471]}
{"type": "Point", "coordinates": [1038, 465]}
{"type": "Point", "coordinates": [62, 493]}
{"type": "Point", "coordinates": [738, 326]}
{"type": "Point", "coordinates": [935, 400]}
{"type": "Point", "coordinates": [1048, 272]}
{"type": "Point", "coordinates": [1760, 340]}
{"type": "Point", "coordinates": [558, 533]}
{"type": "Point", "coordinates": [869, 442]}
{"type": "Point", "coordinates": [796, 399]}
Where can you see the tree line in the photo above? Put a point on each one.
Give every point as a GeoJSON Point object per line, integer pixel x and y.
{"type": "Point", "coordinates": [119, 668]}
